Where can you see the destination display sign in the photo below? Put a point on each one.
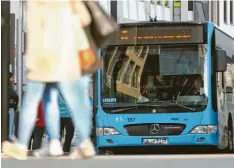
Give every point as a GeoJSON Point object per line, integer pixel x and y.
{"type": "Point", "coordinates": [135, 35]}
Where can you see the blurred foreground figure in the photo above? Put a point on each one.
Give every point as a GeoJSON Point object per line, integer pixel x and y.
{"type": "Point", "coordinates": [55, 40]}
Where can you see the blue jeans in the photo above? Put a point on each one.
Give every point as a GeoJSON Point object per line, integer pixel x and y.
{"type": "Point", "coordinates": [75, 93]}
{"type": "Point", "coordinates": [76, 137]}
{"type": "Point", "coordinates": [11, 122]}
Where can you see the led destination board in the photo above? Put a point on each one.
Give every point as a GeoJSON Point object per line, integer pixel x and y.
{"type": "Point", "coordinates": [157, 35]}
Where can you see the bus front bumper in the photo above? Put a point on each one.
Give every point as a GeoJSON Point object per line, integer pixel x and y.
{"type": "Point", "coordinates": [180, 140]}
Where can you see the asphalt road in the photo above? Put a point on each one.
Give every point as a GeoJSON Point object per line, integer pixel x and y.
{"type": "Point", "coordinates": [128, 161]}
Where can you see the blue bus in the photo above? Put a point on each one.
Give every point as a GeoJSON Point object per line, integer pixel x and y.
{"type": "Point", "coordinates": [165, 84]}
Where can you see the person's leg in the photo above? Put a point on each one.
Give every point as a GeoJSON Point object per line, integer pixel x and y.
{"type": "Point", "coordinates": [75, 94]}
{"type": "Point", "coordinates": [29, 110]}
{"type": "Point", "coordinates": [16, 121]}
{"type": "Point", "coordinates": [38, 134]}
{"type": "Point", "coordinates": [11, 123]}
{"type": "Point", "coordinates": [30, 142]}
{"type": "Point", "coordinates": [76, 97]}
{"type": "Point", "coordinates": [62, 126]}
{"type": "Point", "coordinates": [75, 138]}
{"type": "Point", "coordinates": [69, 135]}
{"type": "Point", "coordinates": [27, 120]}
{"type": "Point", "coordinates": [45, 146]}
{"type": "Point", "coordinates": [52, 118]}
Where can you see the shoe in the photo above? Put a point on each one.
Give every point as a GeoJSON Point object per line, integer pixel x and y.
{"type": "Point", "coordinates": [75, 155]}
{"type": "Point", "coordinates": [55, 148]}
{"type": "Point", "coordinates": [52, 148]}
{"type": "Point", "coordinates": [84, 151]}
{"type": "Point", "coordinates": [15, 150]}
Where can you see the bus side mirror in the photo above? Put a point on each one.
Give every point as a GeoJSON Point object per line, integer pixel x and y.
{"type": "Point", "coordinates": [229, 89]}
{"type": "Point", "coordinates": [221, 61]}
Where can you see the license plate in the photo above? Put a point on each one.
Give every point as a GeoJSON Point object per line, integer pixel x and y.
{"type": "Point", "coordinates": [156, 141]}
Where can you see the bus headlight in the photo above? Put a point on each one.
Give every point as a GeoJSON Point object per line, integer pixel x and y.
{"type": "Point", "coordinates": [204, 129]}
{"type": "Point", "coordinates": [106, 131]}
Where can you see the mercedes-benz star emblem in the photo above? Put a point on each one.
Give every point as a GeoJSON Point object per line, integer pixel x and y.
{"type": "Point", "coordinates": [154, 129]}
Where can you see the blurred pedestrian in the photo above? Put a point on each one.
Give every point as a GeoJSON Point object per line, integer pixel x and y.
{"type": "Point", "coordinates": [39, 130]}
{"type": "Point", "coordinates": [13, 103]}
{"type": "Point", "coordinates": [54, 63]}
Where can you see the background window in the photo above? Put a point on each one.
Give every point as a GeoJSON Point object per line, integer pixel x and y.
{"type": "Point", "coordinates": [155, 2]}
{"type": "Point", "coordinates": [225, 11]}
{"type": "Point", "coordinates": [166, 2]}
{"type": "Point", "coordinates": [231, 11]}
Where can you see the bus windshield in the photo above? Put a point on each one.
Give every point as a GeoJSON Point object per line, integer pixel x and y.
{"type": "Point", "coordinates": [154, 78]}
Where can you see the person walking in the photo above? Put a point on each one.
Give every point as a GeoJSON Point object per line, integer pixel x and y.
{"type": "Point", "coordinates": [13, 103]}
{"type": "Point", "coordinates": [54, 64]}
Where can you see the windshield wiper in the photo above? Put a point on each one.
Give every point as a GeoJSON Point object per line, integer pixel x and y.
{"type": "Point", "coordinates": [175, 104]}
{"type": "Point", "coordinates": [135, 106]}
{"type": "Point", "coordinates": [122, 109]}
{"type": "Point", "coordinates": [147, 104]}
{"type": "Point", "coordinates": [179, 105]}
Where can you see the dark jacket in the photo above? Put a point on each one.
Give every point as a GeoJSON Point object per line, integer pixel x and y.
{"type": "Point", "coordinates": [13, 98]}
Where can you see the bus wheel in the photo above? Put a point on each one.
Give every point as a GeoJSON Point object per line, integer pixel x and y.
{"type": "Point", "coordinates": [106, 152]}
{"type": "Point", "coordinates": [230, 138]}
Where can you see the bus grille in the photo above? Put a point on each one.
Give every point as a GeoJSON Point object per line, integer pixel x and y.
{"type": "Point", "coordinates": [154, 129]}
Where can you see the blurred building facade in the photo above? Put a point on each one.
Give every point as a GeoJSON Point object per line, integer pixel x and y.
{"type": "Point", "coordinates": [139, 10]}
{"type": "Point", "coordinates": [218, 11]}
{"type": "Point", "coordinates": [222, 13]}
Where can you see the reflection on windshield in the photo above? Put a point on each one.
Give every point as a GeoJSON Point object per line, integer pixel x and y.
{"type": "Point", "coordinates": [150, 73]}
